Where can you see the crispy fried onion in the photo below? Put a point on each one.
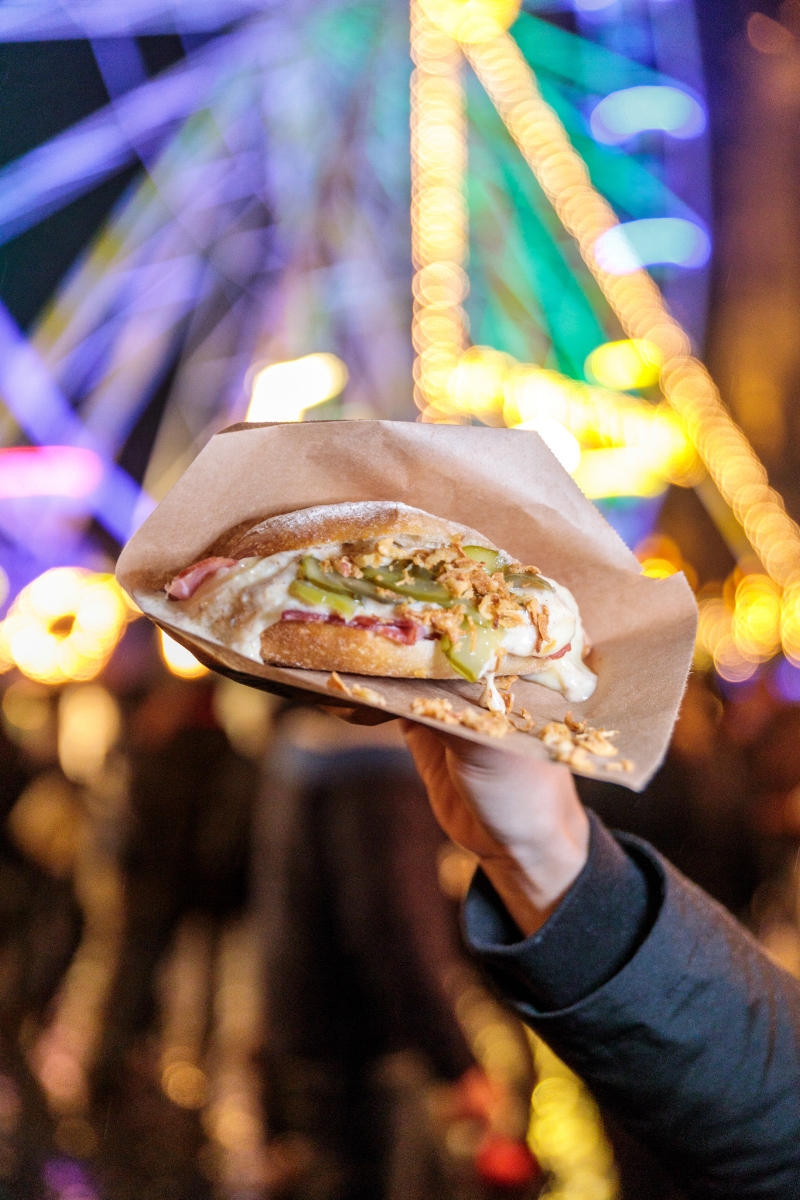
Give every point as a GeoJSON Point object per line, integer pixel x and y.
{"type": "Point", "coordinates": [356, 691]}
{"type": "Point", "coordinates": [569, 741]}
{"type": "Point", "coordinates": [494, 725]}
{"type": "Point", "coordinates": [578, 744]}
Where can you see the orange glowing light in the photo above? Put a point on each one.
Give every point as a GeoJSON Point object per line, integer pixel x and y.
{"type": "Point", "coordinates": [178, 660]}
{"type": "Point", "coordinates": [65, 625]}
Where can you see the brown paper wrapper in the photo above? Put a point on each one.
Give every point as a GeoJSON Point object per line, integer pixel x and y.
{"type": "Point", "coordinates": [504, 483]}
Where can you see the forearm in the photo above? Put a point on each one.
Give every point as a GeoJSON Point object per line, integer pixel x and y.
{"type": "Point", "coordinates": [694, 1040]}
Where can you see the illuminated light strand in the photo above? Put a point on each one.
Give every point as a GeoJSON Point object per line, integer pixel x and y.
{"type": "Point", "coordinates": [51, 175]}
{"type": "Point", "coordinates": [439, 232]}
{"type": "Point", "coordinates": [740, 628]}
{"type": "Point", "coordinates": [633, 110]}
{"type": "Point", "coordinates": [652, 241]}
{"type": "Point", "coordinates": [639, 306]}
{"type": "Point", "coordinates": [626, 446]}
{"type": "Point", "coordinates": [41, 410]}
{"type": "Point", "coordinates": [40, 20]}
{"type": "Point", "coordinates": [159, 262]}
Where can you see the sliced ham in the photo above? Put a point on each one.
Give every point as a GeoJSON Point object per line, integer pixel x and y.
{"type": "Point", "coordinates": [560, 653]}
{"type": "Point", "coordinates": [298, 614]}
{"type": "Point", "coordinates": [403, 630]}
{"type": "Point", "coordinates": [186, 582]}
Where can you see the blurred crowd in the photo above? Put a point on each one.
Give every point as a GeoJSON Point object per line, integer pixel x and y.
{"type": "Point", "coordinates": [230, 962]}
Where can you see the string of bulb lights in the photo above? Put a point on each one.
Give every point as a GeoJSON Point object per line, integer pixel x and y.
{"type": "Point", "coordinates": [439, 229]}
{"type": "Point", "coordinates": [478, 29]}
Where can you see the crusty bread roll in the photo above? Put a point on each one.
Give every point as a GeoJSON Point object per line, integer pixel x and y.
{"type": "Point", "coordinates": [227, 605]}
{"type": "Point", "coordinates": [363, 521]}
{"type": "Point", "coordinates": [360, 652]}
{"type": "Point", "coordinates": [340, 647]}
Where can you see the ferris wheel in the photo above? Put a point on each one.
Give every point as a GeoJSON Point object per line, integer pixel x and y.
{"type": "Point", "coordinates": [268, 222]}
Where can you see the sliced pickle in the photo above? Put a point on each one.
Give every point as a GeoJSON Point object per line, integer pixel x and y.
{"type": "Point", "coordinates": [329, 581]}
{"type": "Point", "coordinates": [386, 576]}
{"type": "Point", "coordinates": [471, 659]}
{"type": "Point", "coordinates": [529, 583]}
{"type": "Point", "coordinates": [427, 590]}
{"type": "Point", "coordinates": [332, 581]}
{"type": "Point", "coordinates": [483, 555]}
{"type": "Point", "coordinates": [309, 593]}
{"type": "Point", "coordinates": [477, 617]}
{"type": "Point", "coordinates": [417, 588]}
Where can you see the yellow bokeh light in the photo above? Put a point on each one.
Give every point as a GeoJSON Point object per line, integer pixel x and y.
{"type": "Point", "coordinates": [89, 724]}
{"type": "Point", "coordinates": [790, 621]}
{"type": "Point", "coordinates": [741, 628]}
{"type": "Point", "coordinates": [619, 471]}
{"type": "Point", "coordinates": [566, 1132]}
{"type": "Point", "coordinates": [629, 446]}
{"type": "Point", "coordinates": [185, 1084]}
{"type": "Point", "coordinates": [558, 439]}
{"type": "Point", "coordinates": [64, 625]}
{"type": "Point", "coordinates": [283, 391]}
{"type": "Point", "coordinates": [717, 645]}
{"type": "Point", "coordinates": [178, 660]}
{"type": "Point", "coordinates": [634, 363]}
{"type": "Point", "coordinates": [53, 594]}
{"type": "Point", "coordinates": [532, 393]}
{"type": "Point", "coordinates": [731, 664]}
{"type": "Point", "coordinates": [471, 20]}
{"type": "Point", "coordinates": [476, 384]}
{"type": "Point", "coordinates": [658, 568]}
{"type": "Point", "coordinates": [756, 623]}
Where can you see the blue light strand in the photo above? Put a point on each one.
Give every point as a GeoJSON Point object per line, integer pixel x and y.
{"type": "Point", "coordinates": [50, 176]}
{"type": "Point", "coordinates": [43, 20]}
{"type": "Point", "coordinates": [42, 412]}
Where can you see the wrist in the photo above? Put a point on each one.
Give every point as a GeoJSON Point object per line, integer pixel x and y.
{"type": "Point", "coordinates": [532, 877]}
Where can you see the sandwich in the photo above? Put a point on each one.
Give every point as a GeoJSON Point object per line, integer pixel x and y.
{"type": "Point", "coordinates": [378, 588]}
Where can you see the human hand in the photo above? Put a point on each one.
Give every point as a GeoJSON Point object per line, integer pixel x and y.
{"type": "Point", "coordinates": [521, 816]}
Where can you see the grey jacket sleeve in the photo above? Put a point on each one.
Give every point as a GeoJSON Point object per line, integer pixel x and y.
{"type": "Point", "coordinates": [694, 1042]}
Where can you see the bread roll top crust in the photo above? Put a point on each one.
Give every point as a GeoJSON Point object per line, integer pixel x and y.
{"type": "Point", "coordinates": [324, 524]}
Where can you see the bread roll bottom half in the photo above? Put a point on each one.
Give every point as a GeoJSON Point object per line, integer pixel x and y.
{"type": "Point", "coordinates": [378, 588]}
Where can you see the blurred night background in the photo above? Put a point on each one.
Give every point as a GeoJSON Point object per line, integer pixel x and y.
{"type": "Point", "coordinates": [230, 963]}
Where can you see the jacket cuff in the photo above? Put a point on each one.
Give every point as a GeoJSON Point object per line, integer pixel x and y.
{"type": "Point", "coordinates": [596, 929]}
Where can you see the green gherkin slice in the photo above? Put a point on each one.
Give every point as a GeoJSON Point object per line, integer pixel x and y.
{"type": "Point", "coordinates": [427, 590]}
{"type": "Point", "coordinates": [527, 582]}
{"type": "Point", "coordinates": [386, 576]}
{"type": "Point", "coordinates": [470, 660]}
{"type": "Point", "coordinates": [332, 581]}
{"type": "Point", "coordinates": [309, 593]}
{"type": "Point", "coordinates": [421, 586]}
{"type": "Point", "coordinates": [482, 554]}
